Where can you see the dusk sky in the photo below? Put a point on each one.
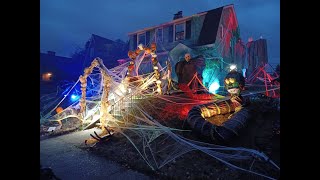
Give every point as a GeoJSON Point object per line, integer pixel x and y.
{"type": "Point", "coordinates": [68, 24]}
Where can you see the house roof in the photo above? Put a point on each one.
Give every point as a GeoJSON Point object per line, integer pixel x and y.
{"type": "Point", "coordinates": [98, 40]}
{"type": "Point", "coordinates": [58, 64]}
{"type": "Point", "coordinates": [53, 60]}
{"type": "Point", "coordinates": [215, 15]}
{"type": "Point", "coordinates": [210, 27]}
{"type": "Point", "coordinates": [166, 23]}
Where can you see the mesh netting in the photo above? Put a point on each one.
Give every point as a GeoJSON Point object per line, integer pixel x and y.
{"type": "Point", "coordinates": [147, 119]}
{"type": "Point", "coordinates": [141, 115]}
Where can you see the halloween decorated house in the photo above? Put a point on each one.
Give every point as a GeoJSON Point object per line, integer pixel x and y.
{"type": "Point", "coordinates": [192, 75]}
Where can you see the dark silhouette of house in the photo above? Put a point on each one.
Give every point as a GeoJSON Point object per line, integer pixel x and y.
{"type": "Point", "coordinates": [108, 50]}
{"type": "Point", "coordinates": [56, 68]}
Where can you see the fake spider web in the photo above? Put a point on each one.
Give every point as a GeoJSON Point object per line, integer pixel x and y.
{"type": "Point", "coordinates": [132, 107]}
{"type": "Point", "coordinates": [137, 112]}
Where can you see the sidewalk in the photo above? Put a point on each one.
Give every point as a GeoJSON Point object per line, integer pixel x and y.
{"type": "Point", "coordinates": [68, 162]}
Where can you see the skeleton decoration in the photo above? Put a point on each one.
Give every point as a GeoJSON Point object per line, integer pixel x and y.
{"type": "Point", "coordinates": [96, 63]}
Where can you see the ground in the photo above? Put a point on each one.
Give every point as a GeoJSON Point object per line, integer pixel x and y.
{"type": "Point", "coordinates": [195, 164]}
{"type": "Point", "coordinates": [260, 134]}
{"type": "Point", "coordinates": [68, 125]}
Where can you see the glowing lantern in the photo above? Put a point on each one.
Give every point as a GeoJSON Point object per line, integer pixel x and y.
{"type": "Point", "coordinates": [131, 66]}
{"type": "Point", "coordinates": [213, 87]}
{"type": "Point", "coordinates": [59, 110]}
{"type": "Point", "coordinates": [148, 50]}
{"type": "Point", "coordinates": [138, 52]}
{"type": "Point", "coordinates": [153, 55]}
{"type": "Point", "coordinates": [233, 67]}
{"type": "Point", "coordinates": [153, 47]}
{"type": "Point", "coordinates": [140, 46]}
{"type": "Point", "coordinates": [132, 55]}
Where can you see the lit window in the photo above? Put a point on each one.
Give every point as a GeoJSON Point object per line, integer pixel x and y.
{"type": "Point", "coordinates": [179, 31]}
{"type": "Point", "coordinates": [46, 76]}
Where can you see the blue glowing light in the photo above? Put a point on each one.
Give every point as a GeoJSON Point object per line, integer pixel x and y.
{"type": "Point", "coordinates": [213, 87]}
{"type": "Point", "coordinates": [74, 97]}
{"type": "Point", "coordinates": [244, 72]}
{"type": "Point", "coordinates": [211, 75]}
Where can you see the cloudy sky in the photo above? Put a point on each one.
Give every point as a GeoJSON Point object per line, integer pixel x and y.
{"type": "Point", "coordinates": [68, 24]}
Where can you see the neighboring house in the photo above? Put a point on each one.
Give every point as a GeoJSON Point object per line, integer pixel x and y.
{"type": "Point", "coordinates": [55, 68]}
{"type": "Point", "coordinates": [109, 51]}
{"type": "Point", "coordinates": [257, 54]}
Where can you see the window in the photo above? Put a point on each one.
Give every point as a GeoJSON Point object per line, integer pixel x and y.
{"type": "Point", "coordinates": [180, 31]}
{"type": "Point", "coordinates": [134, 42]}
{"type": "Point", "coordinates": [170, 38]}
{"type": "Point", "coordinates": [188, 29]}
{"type": "Point", "coordinates": [142, 39]}
{"type": "Point", "coordinates": [47, 76]}
{"type": "Point", "coordinates": [159, 35]}
{"type": "Point", "coordinates": [147, 38]}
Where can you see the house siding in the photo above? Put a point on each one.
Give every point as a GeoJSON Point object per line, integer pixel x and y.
{"type": "Point", "coordinates": [228, 23]}
{"type": "Point", "coordinates": [196, 25]}
{"type": "Point", "coordinates": [211, 35]}
{"type": "Point", "coordinates": [219, 48]}
{"type": "Point", "coordinates": [166, 35]}
{"type": "Point", "coordinates": [166, 45]}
